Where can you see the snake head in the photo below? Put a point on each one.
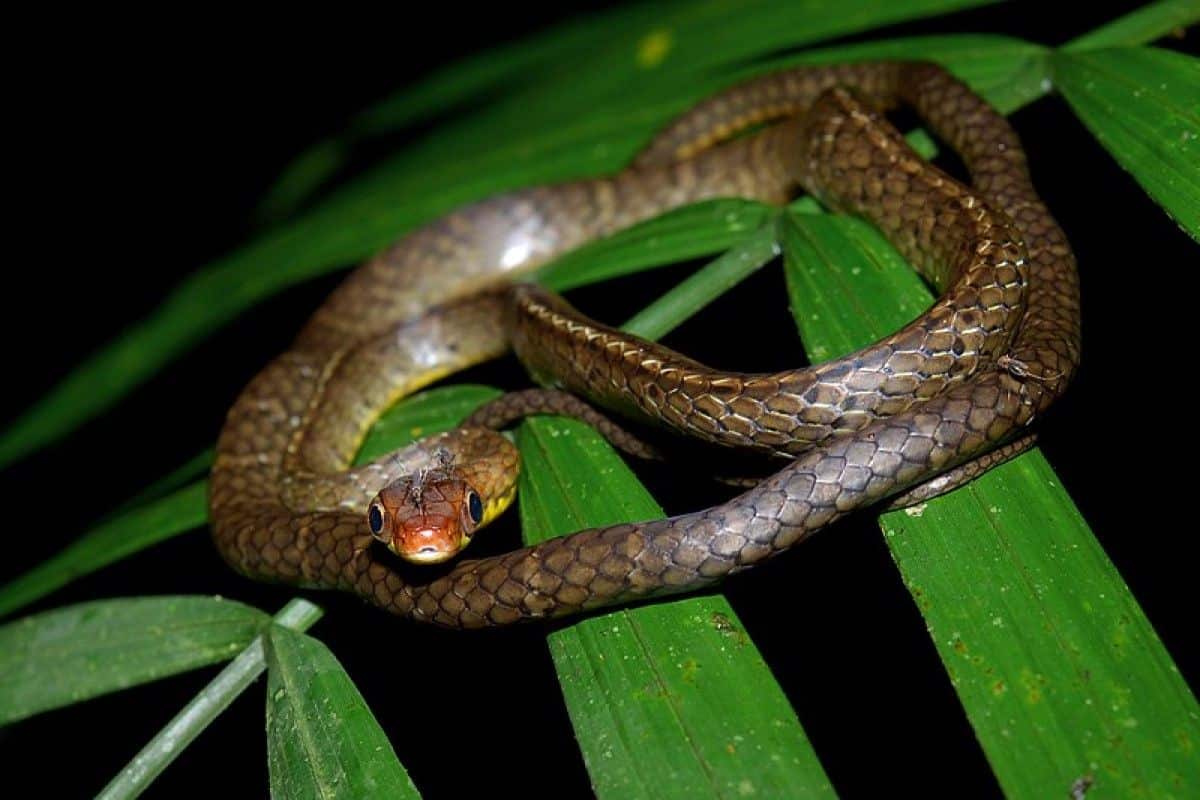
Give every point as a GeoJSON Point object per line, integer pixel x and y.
{"type": "Point", "coordinates": [426, 518]}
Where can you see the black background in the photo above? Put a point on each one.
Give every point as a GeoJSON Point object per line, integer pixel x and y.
{"type": "Point", "coordinates": [138, 150]}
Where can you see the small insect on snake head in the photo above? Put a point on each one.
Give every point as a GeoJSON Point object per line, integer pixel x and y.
{"type": "Point", "coordinates": [427, 517]}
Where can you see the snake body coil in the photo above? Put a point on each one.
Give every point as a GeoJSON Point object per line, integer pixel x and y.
{"type": "Point", "coordinates": [970, 374]}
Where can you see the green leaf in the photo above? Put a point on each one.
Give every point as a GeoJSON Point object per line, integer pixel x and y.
{"type": "Point", "coordinates": [829, 262]}
{"type": "Point", "coordinates": [188, 472]}
{"type": "Point", "coordinates": [300, 178]}
{"type": "Point", "coordinates": [423, 414]}
{"type": "Point", "coordinates": [112, 540]}
{"type": "Point", "coordinates": [1143, 105]}
{"type": "Point", "coordinates": [599, 59]}
{"type": "Point", "coordinates": [690, 232]}
{"type": "Point", "coordinates": [684, 53]}
{"type": "Point", "coordinates": [1140, 26]}
{"type": "Point", "coordinates": [472, 80]}
{"type": "Point", "coordinates": [1059, 671]}
{"type": "Point", "coordinates": [60, 657]}
{"type": "Point", "coordinates": [1061, 674]}
{"type": "Point", "coordinates": [670, 699]}
{"type": "Point", "coordinates": [1007, 72]}
{"type": "Point", "coordinates": [184, 727]}
{"type": "Point", "coordinates": [322, 740]}
{"type": "Point", "coordinates": [706, 284]}
{"type": "Point", "coordinates": [506, 67]}
{"type": "Point", "coordinates": [558, 126]}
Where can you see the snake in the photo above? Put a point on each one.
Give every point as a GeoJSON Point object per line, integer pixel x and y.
{"type": "Point", "coordinates": [951, 393]}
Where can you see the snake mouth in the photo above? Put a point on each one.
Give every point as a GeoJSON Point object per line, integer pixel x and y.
{"type": "Point", "coordinates": [426, 544]}
{"type": "Point", "coordinates": [426, 555]}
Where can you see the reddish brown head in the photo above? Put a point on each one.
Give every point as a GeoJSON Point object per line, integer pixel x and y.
{"type": "Point", "coordinates": [426, 518]}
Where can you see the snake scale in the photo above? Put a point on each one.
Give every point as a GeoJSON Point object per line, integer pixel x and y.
{"type": "Point", "coordinates": [963, 380]}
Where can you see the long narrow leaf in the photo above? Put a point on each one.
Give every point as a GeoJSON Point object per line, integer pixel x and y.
{"type": "Point", "coordinates": [471, 80]}
{"type": "Point", "coordinates": [1008, 72]}
{"type": "Point", "coordinates": [690, 232]}
{"type": "Point", "coordinates": [421, 415]}
{"type": "Point", "coordinates": [1143, 105]}
{"type": "Point", "coordinates": [706, 284]}
{"type": "Point", "coordinates": [1140, 26]}
{"type": "Point", "coordinates": [186, 473]}
{"type": "Point", "coordinates": [322, 740]}
{"type": "Point", "coordinates": [679, 54]}
{"type": "Point", "coordinates": [75, 653]}
{"type": "Point", "coordinates": [671, 699]}
{"type": "Point", "coordinates": [1058, 669]}
{"type": "Point", "coordinates": [112, 540]}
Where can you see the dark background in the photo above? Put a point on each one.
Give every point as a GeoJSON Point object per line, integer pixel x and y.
{"type": "Point", "coordinates": [139, 149]}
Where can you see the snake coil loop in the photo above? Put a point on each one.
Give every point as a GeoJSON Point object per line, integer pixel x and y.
{"type": "Point", "coordinates": [961, 381]}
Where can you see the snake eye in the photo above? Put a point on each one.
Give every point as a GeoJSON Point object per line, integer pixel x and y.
{"type": "Point", "coordinates": [375, 519]}
{"type": "Point", "coordinates": [474, 507]}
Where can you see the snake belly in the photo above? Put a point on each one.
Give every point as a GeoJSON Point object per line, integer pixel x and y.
{"type": "Point", "coordinates": [973, 372]}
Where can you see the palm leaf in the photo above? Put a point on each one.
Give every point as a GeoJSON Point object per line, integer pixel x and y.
{"type": "Point", "coordinates": [71, 654]}
{"type": "Point", "coordinates": [322, 740]}
{"type": "Point", "coordinates": [1143, 105]}
{"type": "Point", "coordinates": [1036, 629]}
{"type": "Point", "coordinates": [1032, 691]}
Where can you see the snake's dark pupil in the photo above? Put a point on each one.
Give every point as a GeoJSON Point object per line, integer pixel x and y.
{"type": "Point", "coordinates": [475, 508]}
{"type": "Point", "coordinates": [375, 519]}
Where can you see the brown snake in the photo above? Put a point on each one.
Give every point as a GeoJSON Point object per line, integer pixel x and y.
{"type": "Point", "coordinates": [967, 376]}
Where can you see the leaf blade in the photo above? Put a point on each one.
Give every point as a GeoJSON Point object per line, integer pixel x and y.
{"type": "Point", "coordinates": [1021, 652]}
{"type": "Point", "coordinates": [74, 653]}
{"type": "Point", "coordinates": [322, 739]}
{"type": "Point", "coordinates": [1007, 72]}
{"type": "Point", "coordinates": [116, 538]}
{"type": "Point", "coordinates": [1140, 26]}
{"type": "Point", "coordinates": [423, 414]}
{"type": "Point", "coordinates": [706, 284]}
{"type": "Point", "coordinates": [693, 231]}
{"type": "Point", "coordinates": [1143, 106]}
{"type": "Point", "coordinates": [670, 699]}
